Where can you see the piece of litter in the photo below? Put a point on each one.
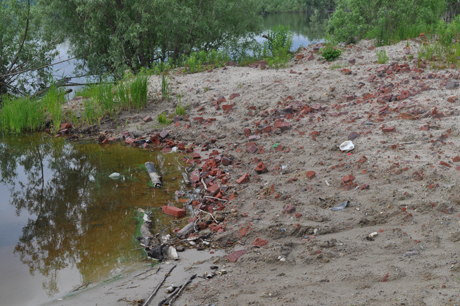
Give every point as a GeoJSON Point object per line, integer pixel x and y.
{"type": "Point", "coordinates": [115, 175]}
{"type": "Point", "coordinates": [341, 206]}
{"type": "Point", "coordinates": [347, 146]}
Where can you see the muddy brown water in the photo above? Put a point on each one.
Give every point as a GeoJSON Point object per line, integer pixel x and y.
{"type": "Point", "coordinates": [64, 223]}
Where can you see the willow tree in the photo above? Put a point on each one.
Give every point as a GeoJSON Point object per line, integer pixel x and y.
{"type": "Point", "coordinates": [109, 36]}
{"type": "Point", "coordinates": [25, 50]}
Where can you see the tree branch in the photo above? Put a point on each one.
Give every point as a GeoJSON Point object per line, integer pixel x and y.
{"type": "Point", "coordinates": [23, 39]}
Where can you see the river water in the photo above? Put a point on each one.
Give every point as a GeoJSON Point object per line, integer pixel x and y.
{"type": "Point", "coordinates": [63, 222]}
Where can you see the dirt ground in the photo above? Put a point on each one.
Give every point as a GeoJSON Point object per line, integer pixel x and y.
{"type": "Point", "coordinates": [400, 181]}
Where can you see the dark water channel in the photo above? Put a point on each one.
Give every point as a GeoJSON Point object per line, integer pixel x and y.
{"type": "Point", "coordinates": [64, 222]}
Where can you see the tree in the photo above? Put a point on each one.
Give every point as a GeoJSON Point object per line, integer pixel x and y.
{"type": "Point", "coordinates": [383, 19]}
{"type": "Point", "coordinates": [109, 36]}
{"type": "Point", "coordinates": [24, 48]}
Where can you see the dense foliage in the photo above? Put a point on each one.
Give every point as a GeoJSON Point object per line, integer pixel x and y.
{"type": "Point", "coordinates": [23, 47]}
{"type": "Point", "coordinates": [286, 6]}
{"type": "Point", "coordinates": [110, 36]}
{"type": "Point", "coordinates": [384, 20]}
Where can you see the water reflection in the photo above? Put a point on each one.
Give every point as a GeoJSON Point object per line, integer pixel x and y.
{"type": "Point", "coordinates": [307, 28]}
{"type": "Point", "coordinates": [79, 218]}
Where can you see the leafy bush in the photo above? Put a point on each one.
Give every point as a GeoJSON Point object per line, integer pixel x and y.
{"type": "Point", "coordinates": [386, 21]}
{"type": "Point", "coordinates": [330, 52]}
{"type": "Point", "coordinates": [279, 40]}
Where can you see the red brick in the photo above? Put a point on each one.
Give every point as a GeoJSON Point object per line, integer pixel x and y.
{"type": "Point", "coordinates": [456, 159]}
{"type": "Point", "coordinates": [289, 208]}
{"type": "Point", "coordinates": [243, 179]}
{"type": "Point", "coordinates": [365, 186]}
{"type": "Point", "coordinates": [233, 257]}
{"type": "Point", "coordinates": [252, 149]}
{"type": "Point", "coordinates": [311, 174]}
{"type": "Point", "coordinates": [199, 119]}
{"type": "Point", "coordinates": [173, 211]}
{"type": "Point", "coordinates": [259, 242]}
{"type": "Point", "coordinates": [442, 163]}
{"type": "Point", "coordinates": [147, 119]}
{"type": "Point", "coordinates": [348, 178]}
{"type": "Point", "coordinates": [233, 96]}
{"type": "Point", "coordinates": [282, 125]}
{"type": "Point", "coordinates": [452, 99]}
{"type": "Point", "coordinates": [298, 215]}
{"type": "Point", "coordinates": [247, 132]}
{"type": "Point", "coordinates": [314, 133]}
{"type": "Point", "coordinates": [213, 189]}
{"type": "Point", "coordinates": [66, 126]}
{"type": "Point", "coordinates": [261, 168]}
{"type": "Point", "coordinates": [196, 156]}
{"type": "Point", "coordinates": [388, 129]}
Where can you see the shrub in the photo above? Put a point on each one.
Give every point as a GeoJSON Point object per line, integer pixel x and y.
{"type": "Point", "coordinates": [330, 52]}
{"type": "Point", "coordinates": [385, 21]}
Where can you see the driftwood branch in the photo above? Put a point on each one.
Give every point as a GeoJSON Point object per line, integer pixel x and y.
{"type": "Point", "coordinates": [33, 69]}
{"type": "Point", "coordinates": [57, 84]}
{"type": "Point", "coordinates": [158, 287]}
{"type": "Point", "coordinates": [170, 300]}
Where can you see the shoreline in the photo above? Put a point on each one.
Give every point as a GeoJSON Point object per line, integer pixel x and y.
{"type": "Point", "coordinates": [400, 179]}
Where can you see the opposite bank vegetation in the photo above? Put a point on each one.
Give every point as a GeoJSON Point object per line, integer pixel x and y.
{"type": "Point", "coordinates": [137, 38]}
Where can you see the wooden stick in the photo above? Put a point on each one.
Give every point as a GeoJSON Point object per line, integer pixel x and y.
{"type": "Point", "coordinates": [158, 287]}
{"type": "Point", "coordinates": [170, 300]}
{"type": "Point", "coordinates": [209, 197]}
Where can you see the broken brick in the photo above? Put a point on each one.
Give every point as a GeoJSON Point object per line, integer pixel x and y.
{"type": "Point", "coordinates": [388, 129]}
{"type": "Point", "coordinates": [233, 257]}
{"type": "Point", "coordinates": [173, 211]}
{"type": "Point", "coordinates": [348, 178]}
{"type": "Point", "coordinates": [442, 163]}
{"type": "Point", "coordinates": [233, 96]}
{"type": "Point", "coordinates": [147, 119]}
{"type": "Point", "coordinates": [243, 179]}
{"type": "Point", "coordinates": [289, 208]}
{"type": "Point", "coordinates": [261, 168]}
{"type": "Point", "coordinates": [311, 174]}
{"type": "Point", "coordinates": [282, 125]}
{"type": "Point", "coordinates": [259, 242]}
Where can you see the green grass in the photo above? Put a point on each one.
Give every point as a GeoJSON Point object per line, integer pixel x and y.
{"type": "Point", "coordinates": [382, 57]}
{"type": "Point", "coordinates": [337, 66]}
{"type": "Point", "coordinates": [19, 115]}
{"type": "Point", "coordinates": [164, 87]}
{"type": "Point", "coordinates": [180, 111]}
{"type": "Point", "coordinates": [163, 119]}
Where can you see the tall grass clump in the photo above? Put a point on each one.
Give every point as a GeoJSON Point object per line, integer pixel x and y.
{"type": "Point", "coordinates": [138, 88]}
{"type": "Point", "coordinates": [442, 49]}
{"type": "Point", "coordinates": [122, 95]}
{"type": "Point", "coordinates": [52, 102]}
{"type": "Point", "coordinates": [20, 115]}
